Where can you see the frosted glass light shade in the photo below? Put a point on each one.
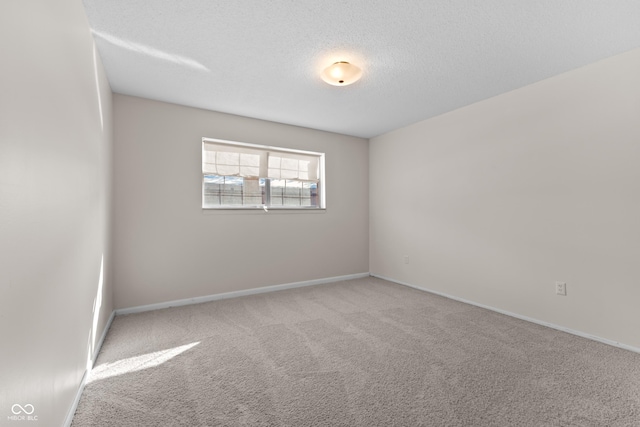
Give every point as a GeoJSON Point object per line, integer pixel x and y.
{"type": "Point", "coordinates": [341, 74]}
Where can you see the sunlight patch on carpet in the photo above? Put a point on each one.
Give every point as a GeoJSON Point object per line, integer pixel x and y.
{"type": "Point", "coordinates": [137, 363]}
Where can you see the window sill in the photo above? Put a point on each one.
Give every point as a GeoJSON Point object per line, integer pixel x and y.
{"type": "Point", "coordinates": [260, 210]}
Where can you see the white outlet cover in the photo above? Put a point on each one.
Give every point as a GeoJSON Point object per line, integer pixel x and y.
{"type": "Point", "coordinates": [561, 288]}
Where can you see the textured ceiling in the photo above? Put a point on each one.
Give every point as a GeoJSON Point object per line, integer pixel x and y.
{"type": "Point", "coordinates": [420, 58]}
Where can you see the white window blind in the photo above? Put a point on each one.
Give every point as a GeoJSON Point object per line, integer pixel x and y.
{"type": "Point", "coordinates": [292, 166]}
{"type": "Point", "coordinates": [224, 159]}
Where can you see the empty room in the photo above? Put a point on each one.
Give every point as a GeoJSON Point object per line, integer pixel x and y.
{"type": "Point", "coordinates": [319, 213]}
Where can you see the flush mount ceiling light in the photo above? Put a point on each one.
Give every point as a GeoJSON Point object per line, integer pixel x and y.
{"type": "Point", "coordinates": [341, 74]}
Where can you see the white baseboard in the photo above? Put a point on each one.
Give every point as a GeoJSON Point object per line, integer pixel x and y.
{"type": "Point", "coordinates": [74, 405]}
{"type": "Point", "coordinates": [517, 316]}
{"type": "Point", "coordinates": [102, 338]}
{"type": "Point", "coordinates": [234, 294]}
{"type": "Point", "coordinates": [76, 401]}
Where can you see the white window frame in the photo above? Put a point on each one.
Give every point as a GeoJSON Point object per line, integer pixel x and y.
{"type": "Point", "coordinates": [321, 185]}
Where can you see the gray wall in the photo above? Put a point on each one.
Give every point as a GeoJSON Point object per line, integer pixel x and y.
{"type": "Point", "coordinates": [166, 247]}
{"type": "Point", "coordinates": [55, 162]}
{"type": "Point", "coordinates": [495, 202]}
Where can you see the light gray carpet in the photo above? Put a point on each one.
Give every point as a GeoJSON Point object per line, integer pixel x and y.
{"type": "Point", "coordinates": [359, 353]}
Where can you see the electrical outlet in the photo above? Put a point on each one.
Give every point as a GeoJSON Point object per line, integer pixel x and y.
{"type": "Point", "coordinates": [561, 288]}
{"type": "Point", "coordinates": [406, 259]}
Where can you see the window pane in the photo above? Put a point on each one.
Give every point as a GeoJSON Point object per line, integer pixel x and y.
{"type": "Point", "coordinates": [277, 192]}
{"type": "Point", "coordinates": [313, 190]}
{"type": "Point", "coordinates": [292, 193]}
{"type": "Point", "coordinates": [232, 191]}
{"type": "Point", "coordinates": [251, 194]}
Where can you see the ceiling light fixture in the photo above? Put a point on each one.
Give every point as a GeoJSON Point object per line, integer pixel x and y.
{"type": "Point", "coordinates": [341, 73]}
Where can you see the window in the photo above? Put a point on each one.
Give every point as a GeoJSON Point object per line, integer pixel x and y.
{"type": "Point", "coordinates": [236, 175]}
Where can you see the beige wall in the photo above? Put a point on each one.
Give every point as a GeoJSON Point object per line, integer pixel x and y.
{"type": "Point", "coordinates": [166, 247]}
{"type": "Point", "coordinates": [495, 202]}
{"type": "Point", "coordinates": [55, 153]}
